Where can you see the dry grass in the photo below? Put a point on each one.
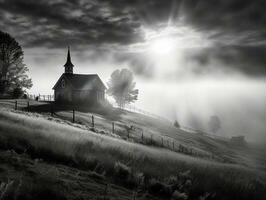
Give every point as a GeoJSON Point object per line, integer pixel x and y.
{"type": "Point", "coordinates": [53, 141]}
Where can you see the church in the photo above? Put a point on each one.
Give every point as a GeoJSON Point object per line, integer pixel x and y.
{"type": "Point", "coordinates": [78, 88]}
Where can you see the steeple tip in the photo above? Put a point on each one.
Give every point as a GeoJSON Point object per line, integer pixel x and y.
{"type": "Point", "coordinates": [68, 66]}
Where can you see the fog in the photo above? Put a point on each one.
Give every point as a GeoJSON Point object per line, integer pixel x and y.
{"type": "Point", "coordinates": [240, 104]}
{"type": "Point", "coordinates": [180, 93]}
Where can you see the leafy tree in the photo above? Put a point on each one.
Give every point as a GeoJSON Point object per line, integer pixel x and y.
{"type": "Point", "coordinates": [12, 69]}
{"type": "Point", "coordinates": [122, 87]}
{"type": "Point", "coordinates": [214, 124]}
{"type": "Point", "coordinates": [17, 92]}
{"type": "Point", "coordinates": [176, 124]}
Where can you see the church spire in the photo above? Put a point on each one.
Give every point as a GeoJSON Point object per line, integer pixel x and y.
{"type": "Point", "coordinates": [68, 66]}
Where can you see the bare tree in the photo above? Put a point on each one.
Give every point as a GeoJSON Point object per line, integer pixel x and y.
{"type": "Point", "coordinates": [12, 69]}
{"type": "Point", "coordinates": [122, 87]}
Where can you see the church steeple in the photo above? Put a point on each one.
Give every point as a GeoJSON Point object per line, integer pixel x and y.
{"type": "Point", "coordinates": [68, 66]}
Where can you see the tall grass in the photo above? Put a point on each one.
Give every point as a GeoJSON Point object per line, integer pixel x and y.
{"type": "Point", "coordinates": [61, 142]}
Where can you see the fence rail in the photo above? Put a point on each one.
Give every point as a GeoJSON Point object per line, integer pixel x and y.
{"type": "Point", "coordinates": [133, 108]}
{"type": "Point", "coordinates": [124, 131]}
{"type": "Point", "coordinates": [42, 97]}
{"type": "Point", "coordinates": [205, 133]}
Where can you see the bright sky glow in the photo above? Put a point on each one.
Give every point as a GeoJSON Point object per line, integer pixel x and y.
{"type": "Point", "coordinates": [179, 36]}
{"type": "Point", "coordinates": [162, 46]}
{"type": "Point", "coordinates": [167, 48]}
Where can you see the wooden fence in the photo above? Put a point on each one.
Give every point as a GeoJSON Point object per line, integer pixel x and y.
{"type": "Point", "coordinates": [124, 131]}
{"type": "Point", "coordinates": [41, 97]}
{"type": "Point", "coordinates": [133, 108]}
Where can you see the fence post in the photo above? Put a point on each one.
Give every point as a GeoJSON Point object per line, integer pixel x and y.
{"type": "Point", "coordinates": [113, 127]}
{"type": "Point", "coordinates": [73, 119]}
{"type": "Point", "coordinates": [173, 145]}
{"type": "Point", "coordinates": [92, 121]}
{"type": "Point", "coordinates": [16, 105]}
{"type": "Point", "coordinates": [28, 106]}
{"type": "Point", "coordinates": [52, 110]}
{"type": "Point", "coordinates": [142, 136]}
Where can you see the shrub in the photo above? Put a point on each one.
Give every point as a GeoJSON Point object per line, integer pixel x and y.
{"type": "Point", "coordinates": [183, 176]}
{"type": "Point", "coordinates": [99, 168]}
{"type": "Point", "coordinates": [122, 171]}
{"type": "Point", "coordinates": [176, 124]}
{"type": "Point", "coordinates": [188, 183]}
{"type": "Point", "coordinates": [179, 196]}
{"type": "Point", "coordinates": [158, 188]}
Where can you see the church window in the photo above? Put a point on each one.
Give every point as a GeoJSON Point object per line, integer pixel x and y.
{"type": "Point", "coordinates": [63, 84]}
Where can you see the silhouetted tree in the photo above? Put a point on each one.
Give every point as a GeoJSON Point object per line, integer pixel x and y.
{"type": "Point", "coordinates": [214, 124]}
{"type": "Point", "coordinates": [13, 77]}
{"type": "Point", "coordinates": [176, 124]}
{"type": "Point", "coordinates": [17, 92]}
{"type": "Point", "coordinates": [122, 87]}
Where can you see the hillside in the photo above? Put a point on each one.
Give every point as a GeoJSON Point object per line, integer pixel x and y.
{"type": "Point", "coordinates": [129, 163]}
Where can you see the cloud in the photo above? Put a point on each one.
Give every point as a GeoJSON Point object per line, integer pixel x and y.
{"type": "Point", "coordinates": [54, 24]}
{"type": "Point", "coordinates": [249, 60]}
{"type": "Point", "coordinates": [236, 27]}
{"type": "Point", "coordinates": [106, 21]}
{"type": "Point", "coordinates": [231, 18]}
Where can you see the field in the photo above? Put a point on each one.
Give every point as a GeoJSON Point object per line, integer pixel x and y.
{"type": "Point", "coordinates": [51, 157]}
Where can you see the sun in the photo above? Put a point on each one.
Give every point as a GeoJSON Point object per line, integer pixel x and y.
{"type": "Point", "coordinates": [160, 42]}
{"type": "Point", "coordinates": [162, 46]}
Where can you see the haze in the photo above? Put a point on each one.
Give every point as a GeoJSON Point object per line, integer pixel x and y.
{"type": "Point", "coordinates": [191, 59]}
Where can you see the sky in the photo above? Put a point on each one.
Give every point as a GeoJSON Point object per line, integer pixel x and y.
{"type": "Point", "coordinates": [191, 58]}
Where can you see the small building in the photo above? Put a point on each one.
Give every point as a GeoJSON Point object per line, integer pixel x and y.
{"type": "Point", "coordinates": [238, 140]}
{"type": "Point", "coordinates": [78, 88]}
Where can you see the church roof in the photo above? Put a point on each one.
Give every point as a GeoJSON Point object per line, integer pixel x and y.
{"type": "Point", "coordinates": [68, 62]}
{"type": "Point", "coordinates": [82, 81]}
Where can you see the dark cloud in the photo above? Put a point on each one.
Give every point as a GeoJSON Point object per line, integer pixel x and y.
{"type": "Point", "coordinates": [115, 21]}
{"type": "Point", "coordinates": [249, 60]}
{"type": "Point", "coordinates": [54, 23]}
{"type": "Point", "coordinates": [237, 26]}
{"type": "Point", "coordinates": [228, 16]}
{"type": "Point", "coordinates": [121, 18]}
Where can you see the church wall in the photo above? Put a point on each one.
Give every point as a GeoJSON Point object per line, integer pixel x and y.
{"type": "Point", "coordinates": [87, 96]}
{"type": "Point", "coordinates": [63, 93]}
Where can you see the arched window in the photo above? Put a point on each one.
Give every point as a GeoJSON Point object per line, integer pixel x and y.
{"type": "Point", "coordinates": [63, 84]}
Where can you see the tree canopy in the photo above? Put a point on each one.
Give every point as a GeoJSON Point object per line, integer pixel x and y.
{"type": "Point", "coordinates": [214, 124]}
{"type": "Point", "coordinates": [12, 69]}
{"type": "Point", "coordinates": [122, 87]}
{"type": "Point", "coordinates": [176, 124]}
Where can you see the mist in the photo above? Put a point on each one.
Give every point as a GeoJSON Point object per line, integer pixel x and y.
{"type": "Point", "coordinates": [238, 104]}
{"type": "Point", "coordinates": [186, 91]}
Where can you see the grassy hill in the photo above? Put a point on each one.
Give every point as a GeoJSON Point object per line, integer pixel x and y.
{"type": "Point", "coordinates": [48, 155]}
